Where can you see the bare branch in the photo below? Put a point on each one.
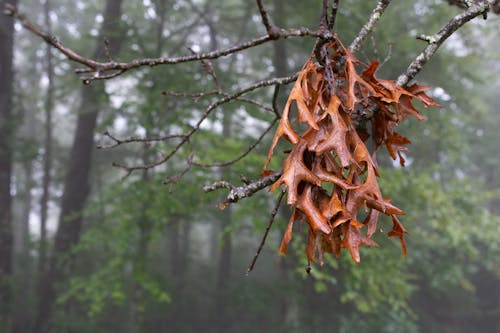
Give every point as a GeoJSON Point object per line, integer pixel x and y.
{"type": "Point", "coordinates": [99, 70]}
{"type": "Point", "coordinates": [270, 28]}
{"type": "Point", "coordinates": [174, 179]}
{"type": "Point", "coordinates": [48, 38]}
{"type": "Point", "coordinates": [208, 110]}
{"type": "Point", "coordinates": [436, 40]}
{"type": "Point", "coordinates": [268, 227]}
{"type": "Point", "coordinates": [118, 142]}
{"type": "Point", "coordinates": [368, 27]}
{"type": "Point", "coordinates": [323, 21]}
{"type": "Point", "coordinates": [239, 192]}
{"type": "Point", "coordinates": [388, 56]}
{"type": "Point", "coordinates": [196, 95]}
{"type": "Point", "coordinates": [240, 157]}
{"type": "Point", "coordinates": [275, 100]}
{"type": "Point", "coordinates": [333, 14]}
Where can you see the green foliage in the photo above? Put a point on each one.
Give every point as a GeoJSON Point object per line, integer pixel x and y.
{"type": "Point", "coordinates": [152, 250]}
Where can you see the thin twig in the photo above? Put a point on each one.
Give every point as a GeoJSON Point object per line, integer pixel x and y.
{"type": "Point", "coordinates": [268, 227]}
{"type": "Point", "coordinates": [275, 100]}
{"type": "Point", "coordinates": [196, 95]}
{"type": "Point", "coordinates": [368, 26]}
{"type": "Point", "coordinates": [239, 192]}
{"type": "Point", "coordinates": [323, 26]}
{"type": "Point", "coordinates": [323, 21]}
{"type": "Point", "coordinates": [241, 156]}
{"type": "Point", "coordinates": [174, 179]}
{"type": "Point", "coordinates": [208, 67]}
{"type": "Point", "coordinates": [270, 28]}
{"type": "Point", "coordinates": [333, 15]}
{"type": "Point", "coordinates": [118, 142]}
{"type": "Point", "coordinates": [208, 110]}
{"type": "Point", "coordinates": [256, 103]}
{"type": "Point", "coordinates": [388, 56]}
{"type": "Point", "coordinates": [453, 25]}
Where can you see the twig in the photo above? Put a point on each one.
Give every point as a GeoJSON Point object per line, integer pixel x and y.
{"type": "Point", "coordinates": [118, 142]}
{"type": "Point", "coordinates": [208, 110]}
{"type": "Point", "coordinates": [268, 227]}
{"type": "Point", "coordinates": [333, 15]}
{"type": "Point", "coordinates": [275, 100]}
{"type": "Point", "coordinates": [255, 102]}
{"type": "Point", "coordinates": [174, 179]}
{"type": "Point", "coordinates": [453, 25]}
{"type": "Point", "coordinates": [239, 192]}
{"type": "Point", "coordinates": [209, 68]}
{"type": "Point", "coordinates": [323, 21]}
{"type": "Point", "coordinates": [244, 154]}
{"type": "Point", "coordinates": [388, 56]}
{"type": "Point", "coordinates": [270, 28]}
{"type": "Point", "coordinates": [323, 26]}
{"type": "Point", "coordinates": [368, 26]}
{"type": "Point", "coordinates": [195, 95]}
{"type": "Point", "coordinates": [198, 95]}
{"type": "Point", "coordinates": [426, 38]}
{"type": "Point", "coordinates": [97, 70]}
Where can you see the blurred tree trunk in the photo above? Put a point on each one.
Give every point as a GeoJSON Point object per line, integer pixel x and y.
{"type": "Point", "coordinates": [22, 207]}
{"type": "Point", "coordinates": [47, 157]}
{"type": "Point", "coordinates": [76, 185]}
{"type": "Point", "coordinates": [6, 139]}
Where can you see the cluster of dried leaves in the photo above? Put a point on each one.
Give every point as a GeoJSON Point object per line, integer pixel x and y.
{"type": "Point", "coordinates": [330, 174]}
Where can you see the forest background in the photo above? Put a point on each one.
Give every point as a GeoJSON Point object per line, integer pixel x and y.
{"type": "Point", "coordinates": [150, 251]}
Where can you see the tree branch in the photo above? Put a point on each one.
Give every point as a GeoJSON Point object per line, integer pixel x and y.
{"type": "Point", "coordinates": [333, 15]}
{"type": "Point", "coordinates": [268, 227]}
{"type": "Point", "coordinates": [239, 192]}
{"type": "Point", "coordinates": [185, 138]}
{"type": "Point", "coordinates": [437, 39]}
{"type": "Point", "coordinates": [368, 26]}
{"type": "Point", "coordinates": [270, 28]}
{"type": "Point", "coordinates": [96, 70]}
{"type": "Point", "coordinates": [241, 156]}
{"type": "Point", "coordinates": [117, 142]}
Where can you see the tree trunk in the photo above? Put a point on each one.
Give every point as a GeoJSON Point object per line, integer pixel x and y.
{"type": "Point", "coordinates": [76, 185]}
{"type": "Point", "coordinates": [47, 157]}
{"type": "Point", "coordinates": [6, 139]}
{"type": "Point", "coordinates": [21, 316]}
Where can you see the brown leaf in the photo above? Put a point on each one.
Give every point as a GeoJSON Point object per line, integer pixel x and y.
{"type": "Point", "coordinates": [353, 239]}
{"type": "Point", "coordinates": [398, 231]}
{"type": "Point", "coordinates": [307, 205]}
{"type": "Point", "coordinates": [295, 171]}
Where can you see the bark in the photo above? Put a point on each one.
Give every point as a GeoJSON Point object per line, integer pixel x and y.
{"type": "Point", "coordinates": [76, 185]}
{"type": "Point", "coordinates": [6, 139]}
